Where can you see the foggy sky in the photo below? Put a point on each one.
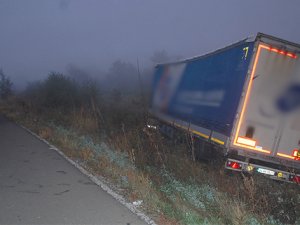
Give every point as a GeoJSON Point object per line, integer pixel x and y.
{"type": "Point", "coordinates": [39, 36]}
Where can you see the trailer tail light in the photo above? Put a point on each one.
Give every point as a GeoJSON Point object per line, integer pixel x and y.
{"type": "Point", "coordinates": [274, 49]}
{"type": "Point", "coordinates": [296, 154]}
{"type": "Point", "coordinates": [282, 52]}
{"type": "Point", "coordinates": [292, 55]}
{"type": "Point", "coordinates": [295, 178]}
{"type": "Point", "coordinates": [246, 141]}
{"type": "Point", "coordinates": [234, 165]}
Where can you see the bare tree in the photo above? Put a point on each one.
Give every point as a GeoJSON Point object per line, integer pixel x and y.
{"type": "Point", "coordinates": [5, 85]}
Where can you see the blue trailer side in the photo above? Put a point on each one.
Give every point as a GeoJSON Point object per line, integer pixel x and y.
{"type": "Point", "coordinates": [203, 92]}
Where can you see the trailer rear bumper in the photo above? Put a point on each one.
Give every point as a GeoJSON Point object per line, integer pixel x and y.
{"type": "Point", "coordinates": [251, 168]}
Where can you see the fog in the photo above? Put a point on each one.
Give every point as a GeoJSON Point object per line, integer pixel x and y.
{"type": "Point", "coordinates": [39, 36]}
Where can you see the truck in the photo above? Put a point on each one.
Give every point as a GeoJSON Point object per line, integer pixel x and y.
{"type": "Point", "coordinates": [243, 98]}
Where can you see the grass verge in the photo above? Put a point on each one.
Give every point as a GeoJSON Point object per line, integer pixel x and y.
{"type": "Point", "coordinates": [145, 168]}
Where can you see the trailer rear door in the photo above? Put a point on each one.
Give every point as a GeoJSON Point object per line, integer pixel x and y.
{"type": "Point", "coordinates": [269, 118]}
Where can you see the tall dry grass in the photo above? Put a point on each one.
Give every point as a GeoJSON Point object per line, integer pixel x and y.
{"type": "Point", "coordinates": [150, 154]}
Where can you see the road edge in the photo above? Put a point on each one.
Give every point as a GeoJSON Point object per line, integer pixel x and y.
{"type": "Point", "coordinates": [96, 180]}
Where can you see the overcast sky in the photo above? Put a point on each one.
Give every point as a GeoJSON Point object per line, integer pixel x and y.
{"type": "Point", "coordinates": [38, 36]}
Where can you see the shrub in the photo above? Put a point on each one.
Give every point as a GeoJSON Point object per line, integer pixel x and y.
{"type": "Point", "coordinates": [59, 92]}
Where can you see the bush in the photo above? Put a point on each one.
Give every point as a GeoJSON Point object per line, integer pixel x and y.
{"type": "Point", "coordinates": [59, 92]}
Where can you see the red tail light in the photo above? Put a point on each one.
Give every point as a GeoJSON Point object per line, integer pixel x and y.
{"type": "Point", "coordinates": [296, 154]}
{"type": "Point", "coordinates": [295, 178]}
{"type": "Point", "coordinates": [234, 165]}
{"type": "Point", "coordinates": [282, 52]}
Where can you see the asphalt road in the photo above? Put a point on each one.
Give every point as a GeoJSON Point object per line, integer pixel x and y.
{"type": "Point", "coordinates": [38, 186]}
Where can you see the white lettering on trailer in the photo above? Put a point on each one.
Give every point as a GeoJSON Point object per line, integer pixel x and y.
{"type": "Point", "coordinates": [212, 98]}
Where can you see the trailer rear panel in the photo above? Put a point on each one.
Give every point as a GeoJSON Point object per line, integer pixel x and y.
{"type": "Point", "coordinates": [269, 121]}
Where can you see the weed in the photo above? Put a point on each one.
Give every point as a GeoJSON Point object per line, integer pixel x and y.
{"type": "Point", "coordinates": [86, 154]}
{"type": "Point", "coordinates": [45, 133]}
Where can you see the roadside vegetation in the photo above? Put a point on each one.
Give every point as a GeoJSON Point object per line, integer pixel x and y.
{"type": "Point", "coordinates": [105, 131]}
{"type": "Point", "coordinates": [5, 86]}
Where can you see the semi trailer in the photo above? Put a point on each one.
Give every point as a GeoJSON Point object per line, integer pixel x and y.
{"type": "Point", "coordinates": [244, 98]}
